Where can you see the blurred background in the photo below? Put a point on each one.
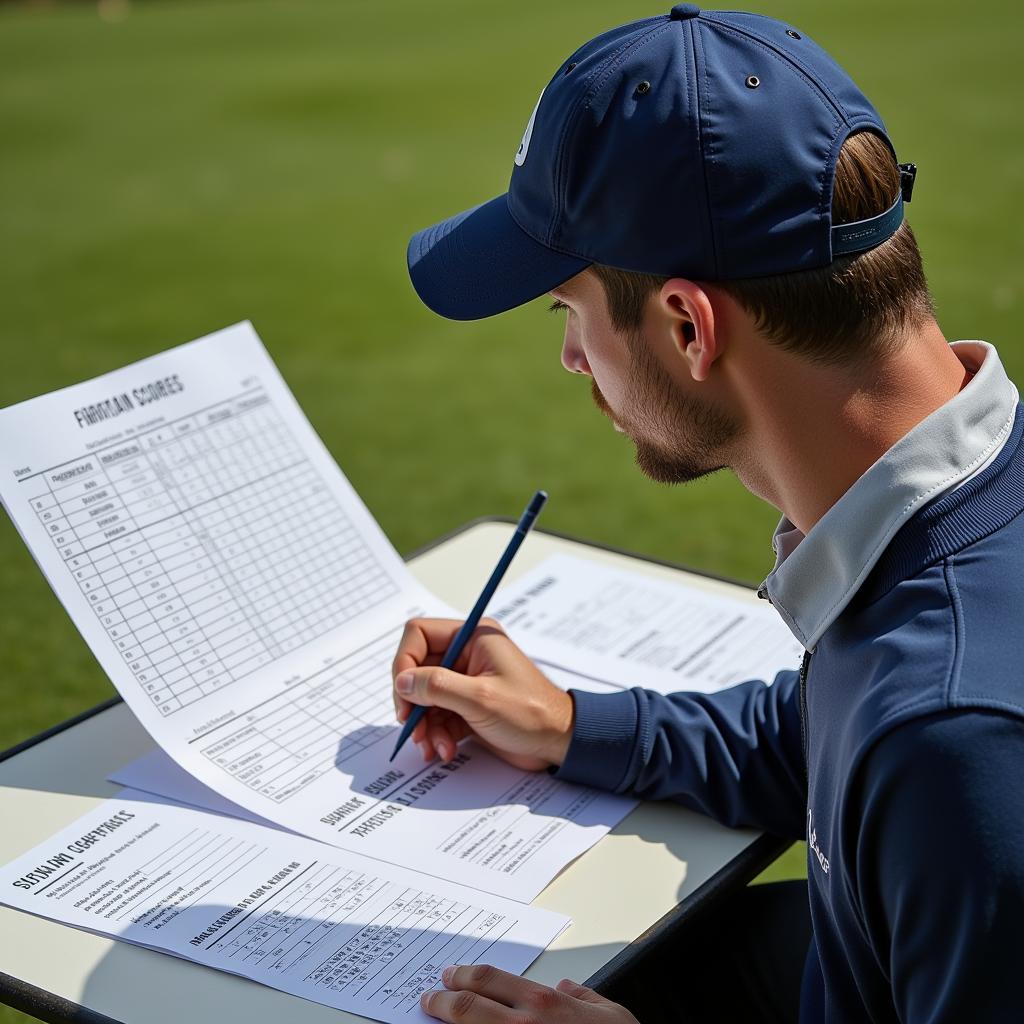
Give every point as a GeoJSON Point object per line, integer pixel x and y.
{"type": "Point", "coordinates": [168, 168]}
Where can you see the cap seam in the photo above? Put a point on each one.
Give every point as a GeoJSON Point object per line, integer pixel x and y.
{"type": "Point", "coordinates": [597, 80]}
{"type": "Point", "coordinates": [546, 244]}
{"type": "Point", "coordinates": [820, 94]}
{"type": "Point", "coordinates": [570, 121]}
{"type": "Point", "coordinates": [617, 57]}
{"type": "Point", "coordinates": [826, 174]}
{"type": "Point", "coordinates": [558, 204]}
{"type": "Point", "coordinates": [707, 155]}
{"type": "Point", "coordinates": [788, 58]}
{"type": "Point", "coordinates": [824, 97]}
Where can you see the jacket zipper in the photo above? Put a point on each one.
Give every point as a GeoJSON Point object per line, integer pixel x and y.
{"type": "Point", "coordinates": [762, 592]}
{"type": "Point", "coordinates": [804, 666]}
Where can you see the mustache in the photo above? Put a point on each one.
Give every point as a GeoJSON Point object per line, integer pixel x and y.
{"type": "Point", "coordinates": [599, 399]}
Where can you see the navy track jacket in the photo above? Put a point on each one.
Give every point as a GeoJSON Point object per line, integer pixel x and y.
{"type": "Point", "coordinates": [905, 774]}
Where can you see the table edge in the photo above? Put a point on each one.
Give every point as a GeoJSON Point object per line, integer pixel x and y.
{"type": "Point", "coordinates": [37, 1002]}
{"type": "Point", "coordinates": [744, 867]}
{"type": "Point", "coordinates": [599, 545]}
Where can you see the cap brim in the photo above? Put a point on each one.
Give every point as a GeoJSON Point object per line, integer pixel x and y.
{"type": "Point", "coordinates": [480, 262]}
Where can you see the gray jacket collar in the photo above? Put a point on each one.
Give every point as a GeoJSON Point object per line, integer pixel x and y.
{"type": "Point", "coordinates": [816, 575]}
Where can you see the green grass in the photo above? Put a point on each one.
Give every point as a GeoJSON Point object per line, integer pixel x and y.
{"type": "Point", "coordinates": [199, 163]}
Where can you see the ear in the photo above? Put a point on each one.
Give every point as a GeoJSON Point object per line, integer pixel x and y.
{"type": "Point", "coordinates": [692, 322]}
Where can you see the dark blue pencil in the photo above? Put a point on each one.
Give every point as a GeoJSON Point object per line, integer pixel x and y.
{"type": "Point", "coordinates": [459, 640]}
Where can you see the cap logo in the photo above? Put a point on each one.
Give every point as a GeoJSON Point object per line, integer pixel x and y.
{"type": "Point", "coordinates": [527, 135]}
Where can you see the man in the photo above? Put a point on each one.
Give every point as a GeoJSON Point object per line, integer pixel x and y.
{"type": "Point", "coordinates": [719, 211]}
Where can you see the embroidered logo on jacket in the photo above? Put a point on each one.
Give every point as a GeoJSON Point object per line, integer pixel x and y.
{"type": "Point", "coordinates": [812, 842]}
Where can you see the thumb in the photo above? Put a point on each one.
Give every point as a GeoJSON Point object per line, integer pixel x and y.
{"type": "Point", "coordinates": [581, 992]}
{"type": "Point", "coordinates": [433, 686]}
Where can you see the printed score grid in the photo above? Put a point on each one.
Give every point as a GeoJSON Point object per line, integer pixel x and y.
{"type": "Point", "coordinates": [207, 547]}
{"type": "Point", "coordinates": [375, 961]}
{"type": "Point", "coordinates": [318, 723]}
{"type": "Point", "coordinates": [390, 958]}
{"type": "Point", "coordinates": [285, 935]}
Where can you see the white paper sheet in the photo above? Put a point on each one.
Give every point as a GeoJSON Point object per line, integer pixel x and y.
{"type": "Point", "coordinates": [247, 607]}
{"type": "Point", "coordinates": [616, 628]}
{"type": "Point", "coordinates": [282, 910]}
{"type": "Point", "coordinates": [158, 774]}
{"type": "Point", "coordinates": [622, 629]}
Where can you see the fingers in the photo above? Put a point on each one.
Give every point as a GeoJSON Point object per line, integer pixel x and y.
{"type": "Point", "coordinates": [412, 651]}
{"type": "Point", "coordinates": [421, 735]}
{"type": "Point", "coordinates": [444, 733]}
{"type": "Point", "coordinates": [423, 637]}
{"type": "Point", "coordinates": [463, 1007]}
{"type": "Point", "coordinates": [491, 985]}
{"type": "Point", "coordinates": [423, 642]}
{"type": "Point", "coordinates": [581, 992]}
{"type": "Point", "coordinates": [491, 982]}
{"type": "Point", "coordinates": [439, 733]}
{"type": "Point", "coordinates": [433, 686]}
{"type": "Point", "coordinates": [482, 994]}
{"type": "Point", "coordinates": [441, 741]}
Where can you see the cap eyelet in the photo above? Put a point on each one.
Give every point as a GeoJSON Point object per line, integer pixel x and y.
{"type": "Point", "coordinates": [643, 87]}
{"type": "Point", "coordinates": [570, 67]}
{"type": "Point", "coordinates": [752, 81]}
{"type": "Point", "coordinates": [792, 34]}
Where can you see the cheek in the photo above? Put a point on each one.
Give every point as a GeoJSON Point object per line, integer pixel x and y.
{"type": "Point", "coordinates": [606, 356]}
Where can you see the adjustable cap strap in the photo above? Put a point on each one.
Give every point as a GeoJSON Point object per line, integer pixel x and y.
{"type": "Point", "coordinates": [866, 234]}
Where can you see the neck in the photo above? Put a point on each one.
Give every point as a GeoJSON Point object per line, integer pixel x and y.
{"type": "Point", "coordinates": [812, 431]}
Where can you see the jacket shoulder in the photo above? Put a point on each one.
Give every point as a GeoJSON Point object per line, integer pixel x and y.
{"type": "Point", "coordinates": [947, 638]}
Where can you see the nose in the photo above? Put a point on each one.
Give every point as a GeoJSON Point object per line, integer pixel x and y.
{"type": "Point", "coordinates": [573, 358]}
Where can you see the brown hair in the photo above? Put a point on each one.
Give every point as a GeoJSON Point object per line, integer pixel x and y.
{"type": "Point", "coordinates": [855, 308]}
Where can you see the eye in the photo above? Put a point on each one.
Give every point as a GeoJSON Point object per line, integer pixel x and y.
{"type": "Point", "coordinates": [557, 306]}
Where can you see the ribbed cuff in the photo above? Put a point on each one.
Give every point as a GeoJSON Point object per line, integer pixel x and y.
{"type": "Point", "coordinates": [603, 738]}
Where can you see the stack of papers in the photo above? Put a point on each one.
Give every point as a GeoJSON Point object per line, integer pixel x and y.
{"type": "Point", "coordinates": [334, 927]}
{"type": "Point", "coordinates": [247, 607]}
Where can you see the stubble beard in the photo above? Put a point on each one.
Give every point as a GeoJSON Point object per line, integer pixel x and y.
{"type": "Point", "coordinates": [677, 437]}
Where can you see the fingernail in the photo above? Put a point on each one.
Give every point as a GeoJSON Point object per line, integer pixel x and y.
{"type": "Point", "coordinates": [404, 683]}
{"type": "Point", "coordinates": [446, 975]}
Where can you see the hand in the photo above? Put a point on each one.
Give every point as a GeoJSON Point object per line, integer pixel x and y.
{"type": "Point", "coordinates": [495, 693]}
{"type": "Point", "coordinates": [484, 995]}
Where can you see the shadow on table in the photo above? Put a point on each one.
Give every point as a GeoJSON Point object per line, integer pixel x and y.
{"type": "Point", "coordinates": [693, 840]}
{"type": "Point", "coordinates": [131, 983]}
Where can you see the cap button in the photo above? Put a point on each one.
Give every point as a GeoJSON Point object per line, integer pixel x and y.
{"type": "Point", "coordinates": [681, 12]}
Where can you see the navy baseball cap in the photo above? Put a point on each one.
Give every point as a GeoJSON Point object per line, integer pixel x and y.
{"type": "Point", "coordinates": [698, 144]}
